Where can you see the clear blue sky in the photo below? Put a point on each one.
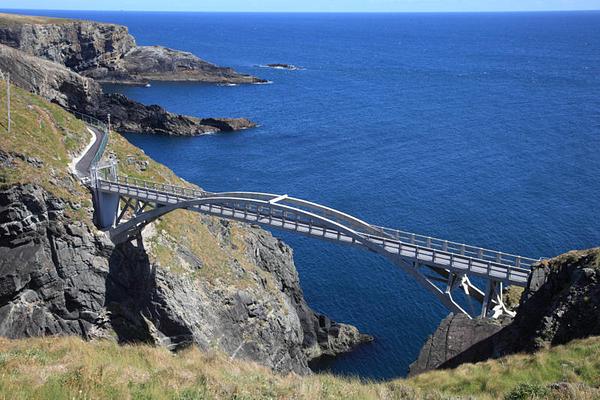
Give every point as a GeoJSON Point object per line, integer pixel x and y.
{"type": "Point", "coordinates": [307, 5]}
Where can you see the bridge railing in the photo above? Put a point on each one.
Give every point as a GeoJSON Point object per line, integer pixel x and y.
{"type": "Point", "coordinates": [140, 184]}
{"type": "Point", "coordinates": [441, 246]}
{"type": "Point", "coordinates": [459, 248]}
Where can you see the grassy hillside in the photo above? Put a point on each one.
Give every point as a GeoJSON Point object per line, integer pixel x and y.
{"type": "Point", "coordinates": [69, 368]}
{"type": "Point", "coordinates": [14, 19]}
{"type": "Point", "coordinates": [43, 141]}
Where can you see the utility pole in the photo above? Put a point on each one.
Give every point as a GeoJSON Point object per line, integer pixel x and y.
{"type": "Point", "coordinates": [8, 98]}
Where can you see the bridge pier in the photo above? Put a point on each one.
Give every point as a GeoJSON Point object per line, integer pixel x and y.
{"type": "Point", "coordinates": [493, 305]}
{"type": "Point", "coordinates": [106, 205]}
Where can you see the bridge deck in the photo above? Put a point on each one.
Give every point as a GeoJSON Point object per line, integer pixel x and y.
{"type": "Point", "coordinates": [318, 221]}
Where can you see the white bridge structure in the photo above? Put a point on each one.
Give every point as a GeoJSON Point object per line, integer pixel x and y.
{"type": "Point", "coordinates": [124, 205]}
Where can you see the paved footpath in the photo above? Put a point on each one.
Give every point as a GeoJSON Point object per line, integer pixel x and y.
{"type": "Point", "coordinates": [83, 166]}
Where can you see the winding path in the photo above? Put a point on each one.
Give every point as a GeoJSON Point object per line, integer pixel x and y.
{"type": "Point", "coordinates": [83, 166]}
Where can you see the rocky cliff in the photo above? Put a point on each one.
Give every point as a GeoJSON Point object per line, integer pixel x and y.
{"type": "Point", "coordinates": [107, 52]}
{"type": "Point", "coordinates": [561, 303]}
{"type": "Point", "coordinates": [188, 280]}
{"type": "Point", "coordinates": [454, 335]}
{"type": "Point", "coordinates": [59, 277]}
{"type": "Point", "coordinates": [60, 85]}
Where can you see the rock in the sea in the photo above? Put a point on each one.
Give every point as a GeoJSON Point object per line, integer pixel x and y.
{"type": "Point", "coordinates": [283, 66]}
{"type": "Point", "coordinates": [107, 52]}
{"type": "Point", "coordinates": [455, 334]}
{"type": "Point", "coordinates": [77, 93]}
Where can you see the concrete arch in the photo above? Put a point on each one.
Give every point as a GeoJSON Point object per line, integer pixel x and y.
{"type": "Point", "coordinates": [128, 229]}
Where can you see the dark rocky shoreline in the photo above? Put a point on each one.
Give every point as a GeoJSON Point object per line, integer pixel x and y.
{"type": "Point", "coordinates": [63, 61]}
{"type": "Point", "coordinates": [75, 92]}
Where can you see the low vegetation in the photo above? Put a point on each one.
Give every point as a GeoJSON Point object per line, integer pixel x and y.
{"type": "Point", "coordinates": [14, 19]}
{"type": "Point", "coordinates": [42, 142]}
{"type": "Point", "coordinates": [69, 368]}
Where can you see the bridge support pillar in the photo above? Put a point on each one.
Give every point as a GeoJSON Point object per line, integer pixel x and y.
{"type": "Point", "coordinates": [106, 209]}
{"type": "Point", "coordinates": [492, 305]}
{"type": "Point", "coordinates": [106, 205]}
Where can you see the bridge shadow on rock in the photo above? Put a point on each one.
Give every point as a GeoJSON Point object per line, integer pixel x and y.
{"type": "Point", "coordinates": [138, 308]}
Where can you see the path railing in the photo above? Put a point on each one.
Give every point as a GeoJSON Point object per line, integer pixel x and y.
{"type": "Point", "coordinates": [88, 119]}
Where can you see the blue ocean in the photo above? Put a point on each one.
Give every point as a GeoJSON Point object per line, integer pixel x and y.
{"type": "Point", "coordinates": [478, 128]}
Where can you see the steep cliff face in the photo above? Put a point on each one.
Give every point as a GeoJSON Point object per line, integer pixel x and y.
{"type": "Point", "coordinates": [107, 52]}
{"type": "Point", "coordinates": [561, 303]}
{"type": "Point", "coordinates": [78, 45]}
{"type": "Point", "coordinates": [60, 277]}
{"type": "Point", "coordinates": [189, 279]}
{"type": "Point", "coordinates": [60, 85]}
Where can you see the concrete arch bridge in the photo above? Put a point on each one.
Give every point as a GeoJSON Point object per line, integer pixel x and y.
{"type": "Point", "coordinates": [124, 205]}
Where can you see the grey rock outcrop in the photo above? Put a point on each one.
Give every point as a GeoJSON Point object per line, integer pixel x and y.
{"type": "Point", "coordinates": [322, 336]}
{"type": "Point", "coordinates": [52, 272]}
{"type": "Point", "coordinates": [61, 277]}
{"type": "Point", "coordinates": [454, 335]}
{"type": "Point", "coordinates": [60, 85]}
{"type": "Point", "coordinates": [561, 303]}
{"type": "Point", "coordinates": [161, 63]}
{"type": "Point", "coordinates": [107, 52]}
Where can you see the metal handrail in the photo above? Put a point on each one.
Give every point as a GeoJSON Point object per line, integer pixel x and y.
{"type": "Point", "coordinates": [456, 247]}
{"type": "Point", "coordinates": [95, 122]}
{"type": "Point", "coordinates": [180, 191]}
{"type": "Point", "coordinates": [100, 151]}
{"type": "Point", "coordinates": [437, 246]}
{"type": "Point", "coordinates": [88, 119]}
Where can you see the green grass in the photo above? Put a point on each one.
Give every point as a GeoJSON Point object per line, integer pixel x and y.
{"type": "Point", "coordinates": [7, 19]}
{"type": "Point", "coordinates": [69, 368]}
{"type": "Point", "coordinates": [46, 132]}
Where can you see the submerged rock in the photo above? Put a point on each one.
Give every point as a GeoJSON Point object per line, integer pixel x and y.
{"type": "Point", "coordinates": [283, 66]}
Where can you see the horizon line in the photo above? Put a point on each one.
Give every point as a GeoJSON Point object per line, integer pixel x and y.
{"type": "Point", "coordinates": [309, 12]}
